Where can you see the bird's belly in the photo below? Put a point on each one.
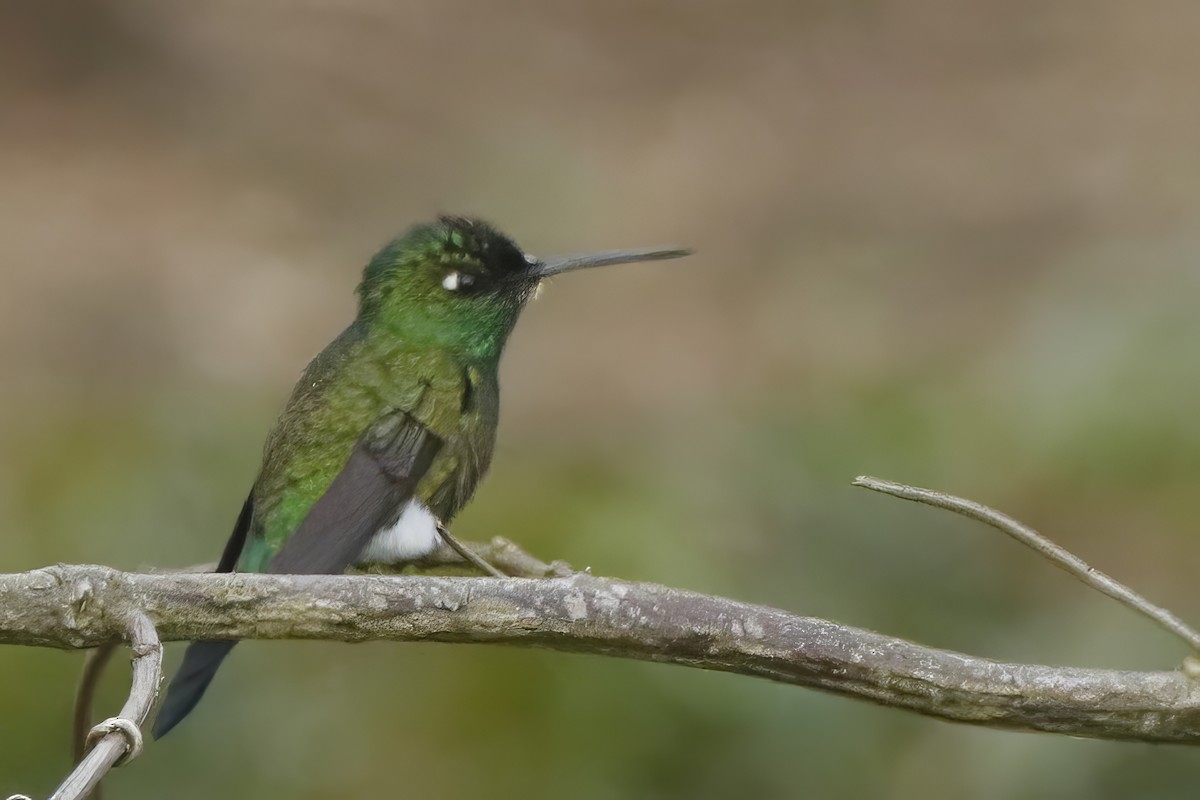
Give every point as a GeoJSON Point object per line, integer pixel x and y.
{"type": "Point", "coordinates": [412, 536]}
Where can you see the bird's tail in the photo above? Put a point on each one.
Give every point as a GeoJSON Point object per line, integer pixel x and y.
{"type": "Point", "coordinates": [200, 663]}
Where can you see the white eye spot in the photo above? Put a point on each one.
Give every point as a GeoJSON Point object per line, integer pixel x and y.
{"type": "Point", "coordinates": [456, 280]}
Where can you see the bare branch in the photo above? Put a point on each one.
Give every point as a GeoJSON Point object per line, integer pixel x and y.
{"type": "Point", "coordinates": [118, 739]}
{"type": "Point", "coordinates": [1058, 555]}
{"type": "Point", "coordinates": [81, 606]}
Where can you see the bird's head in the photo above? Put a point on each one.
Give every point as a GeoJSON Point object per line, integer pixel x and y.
{"type": "Point", "coordinates": [460, 283]}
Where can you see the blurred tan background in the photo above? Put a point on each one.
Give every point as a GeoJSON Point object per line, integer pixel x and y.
{"type": "Point", "coordinates": [954, 244]}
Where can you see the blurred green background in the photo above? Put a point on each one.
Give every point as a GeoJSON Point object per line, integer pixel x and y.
{"type": "Point", "coordinates": [954, 244]}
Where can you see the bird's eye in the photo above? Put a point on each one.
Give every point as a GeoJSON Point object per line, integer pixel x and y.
{"type": "Point", "coordinates": [456, 281]}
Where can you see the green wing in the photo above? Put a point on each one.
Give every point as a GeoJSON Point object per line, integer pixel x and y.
{"type": "Point", "coordinates": [379, 478]}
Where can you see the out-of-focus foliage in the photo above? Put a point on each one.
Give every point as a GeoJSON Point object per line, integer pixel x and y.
{"type": "Point", "coordinates": [954, 244]}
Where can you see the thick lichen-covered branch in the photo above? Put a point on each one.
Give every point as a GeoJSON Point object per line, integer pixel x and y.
{"type": "Point", "coordinates": [85, 606]}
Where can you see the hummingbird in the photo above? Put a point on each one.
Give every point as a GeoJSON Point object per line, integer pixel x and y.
{"type": "Point", "coordinates": [391, 427]}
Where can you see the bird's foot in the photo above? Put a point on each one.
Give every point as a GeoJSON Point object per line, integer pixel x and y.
{"type": "Point", "coordinates": [468, 555]}
{"type": "Point", "coordinates": [500, 553]}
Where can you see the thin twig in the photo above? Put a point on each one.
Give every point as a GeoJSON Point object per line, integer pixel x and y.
{"type": "Point", "coordinates": [118, 739]}
{"type": "Point", "coordinates": [1040, 544]}
{"type": "Point", "coordinates": [81, 721]}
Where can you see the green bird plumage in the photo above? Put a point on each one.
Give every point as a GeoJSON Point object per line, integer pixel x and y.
{"type": "Point", "coordinates": [391, 426]}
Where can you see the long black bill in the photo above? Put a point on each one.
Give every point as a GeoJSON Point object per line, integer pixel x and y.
{"type": "Point", "coordinates": [553, 266]}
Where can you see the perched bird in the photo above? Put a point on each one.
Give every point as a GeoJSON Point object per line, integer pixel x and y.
{"type": "Point", "coordinates": [390, 428]}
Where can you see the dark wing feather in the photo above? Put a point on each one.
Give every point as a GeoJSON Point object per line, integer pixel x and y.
{"type": "Point", "coordinates": [237, 540]}
{"type": "Point", "coordinates": [380, 476]}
